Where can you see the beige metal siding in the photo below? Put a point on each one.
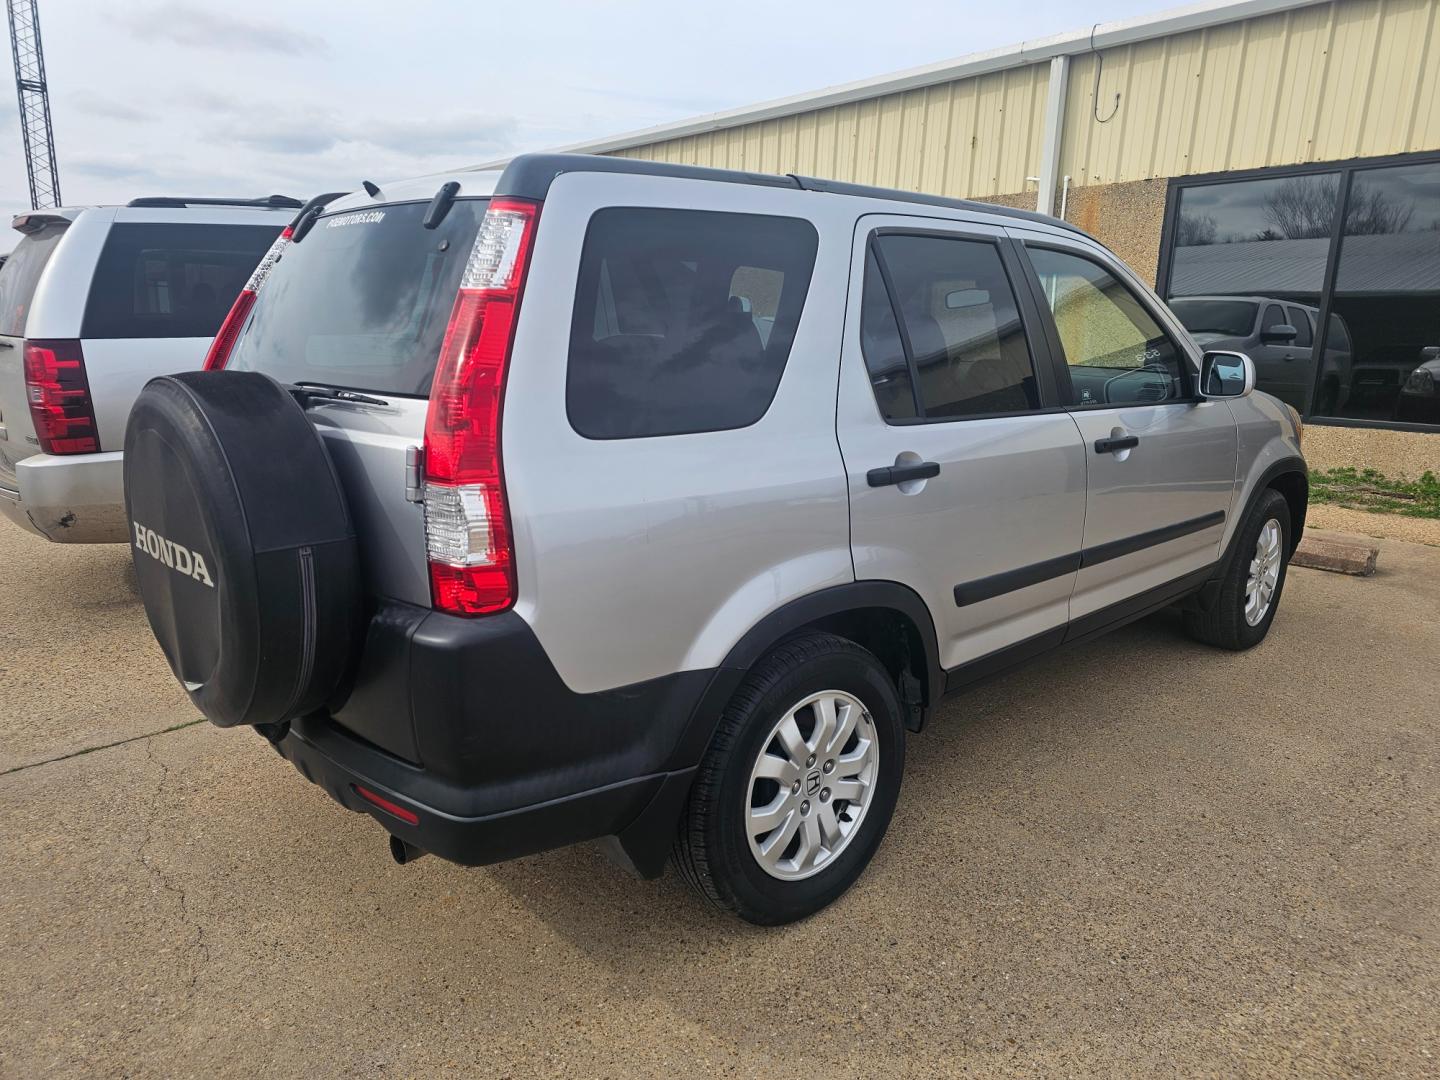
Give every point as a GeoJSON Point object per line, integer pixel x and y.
{"type": "Point", "coordinates": [972, 137]}
{"type": "Point", "coordinates": [1353, 78]}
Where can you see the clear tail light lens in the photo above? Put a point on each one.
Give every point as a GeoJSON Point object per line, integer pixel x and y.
{"type": "Point", "coordinates": [229, 332]}
{"type": "Point", "coordinates": [472, 563]}
{"type": "Point", "coordinates": [59, 396]}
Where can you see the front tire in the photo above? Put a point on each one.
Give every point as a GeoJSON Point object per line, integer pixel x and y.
{"type": "Point", "coordinates": [798, 785]}
{"type": "Point", "coordinates": [1249, 595]}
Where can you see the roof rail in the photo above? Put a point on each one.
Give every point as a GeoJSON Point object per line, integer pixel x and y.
{"type": "Point", "coordinates": [268, 202]}
{"type": "Point", "coordinates": [530, 175]}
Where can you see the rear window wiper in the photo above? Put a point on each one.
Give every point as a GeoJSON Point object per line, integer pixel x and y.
{"type": "Point", "coordinates": [310, 213]}
{"type": "Point", "coordinates": [440, 205]}
{"type": "Point", "coordinates": [306, 392]}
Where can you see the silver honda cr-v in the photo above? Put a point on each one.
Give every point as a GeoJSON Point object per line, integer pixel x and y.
{"type": "Point", "coordinates": [611, 499]}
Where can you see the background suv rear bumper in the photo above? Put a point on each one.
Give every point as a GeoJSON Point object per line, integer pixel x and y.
{"type": "Point", "coordinates": [70, 500]}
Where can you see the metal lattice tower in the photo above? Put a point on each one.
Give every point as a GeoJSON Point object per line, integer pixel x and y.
{"type": "Point", "coordinates": [35, 127]}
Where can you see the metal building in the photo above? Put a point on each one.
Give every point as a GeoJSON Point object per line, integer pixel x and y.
{"type": "Point", "coordinates": [1278, 158]}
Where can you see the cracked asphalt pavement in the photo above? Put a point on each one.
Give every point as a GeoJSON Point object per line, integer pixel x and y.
{"type": "Point", "coordinates": [1141, 857]}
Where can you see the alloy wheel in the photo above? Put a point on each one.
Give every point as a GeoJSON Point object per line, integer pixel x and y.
{"type": "Point", "coordinates": [1264, 575]}
{"type": "Point", "coordinates": [811, 785]}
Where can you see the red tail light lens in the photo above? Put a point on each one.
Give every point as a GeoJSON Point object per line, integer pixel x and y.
{"type": "Point", "coordinates": [472, 564]}
{"type": "Point", "coordinates": [407, 816]}
{"type": "Point", "coordinates": [229, 333]}
{"type": "Point", "coordinates": [59, 395]}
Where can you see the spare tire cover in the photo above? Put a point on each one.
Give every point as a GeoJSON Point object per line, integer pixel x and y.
{"type": "Point", "coordinates": [243, 545]}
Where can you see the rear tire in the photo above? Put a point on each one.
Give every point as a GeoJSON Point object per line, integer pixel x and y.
{"type": "Point", "coordinates": [803, 695]}
{"type": "Point", "coordinates": [1251, 586]}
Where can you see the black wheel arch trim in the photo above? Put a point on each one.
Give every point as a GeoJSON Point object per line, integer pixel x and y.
{"type": "Point", "coordinates": [796, 615]}
{"type": "Point", "coordinates": [1286, 466]}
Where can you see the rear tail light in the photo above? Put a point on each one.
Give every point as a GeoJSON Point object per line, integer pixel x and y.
{"type": "Point", "coordinates": [467, 526]}
{"type": "Point", "coordinates": [229, 333]}
{"type": "Point", "coordinates": [59, 396]}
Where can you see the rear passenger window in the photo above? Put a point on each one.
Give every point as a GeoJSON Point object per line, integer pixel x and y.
{"type": "Point", "coordinates": [683, 319]}
{"type": "Point", "coordinates": [958, 347]}
{"type": "Point", "coordinates": [171, 280]}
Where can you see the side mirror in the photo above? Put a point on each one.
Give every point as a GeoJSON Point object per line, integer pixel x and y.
{"type": "Point", "coordinates": [1226, 375]}
{"type": "Point", "coordinates": [1279, 334]}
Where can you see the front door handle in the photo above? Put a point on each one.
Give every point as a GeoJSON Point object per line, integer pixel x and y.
{"type": "Point", "coordinates": [898, 474]}
{"type": "Point", "coordinates": [1116, 442]}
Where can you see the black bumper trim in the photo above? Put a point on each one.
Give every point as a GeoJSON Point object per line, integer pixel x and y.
{"type": "Point", "coordinates": [447, 824]}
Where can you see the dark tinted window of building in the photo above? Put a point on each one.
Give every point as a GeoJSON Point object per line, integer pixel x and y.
{"type": "Point", "coordinates": [171, 281]}
{"type": "Point", "coordinates": [1387, 298]}
{"type": "Point", "coordinates": [966, 341]}
{"type": "Point", "coordinates": [683, 319]}
{"type": "Point", "coordinates": [1267, 241]}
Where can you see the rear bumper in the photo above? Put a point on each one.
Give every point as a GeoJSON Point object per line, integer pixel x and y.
{"type": "Point", "coordinates": [466, 725]}
{"type": "Point", "coordinates": [434, 815]}
{"type": "Point", "coordinates": [70, 500]}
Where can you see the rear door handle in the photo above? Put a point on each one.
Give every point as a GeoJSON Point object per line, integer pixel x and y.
{"type": "Point", "coordinates": [1116, 442]}
{"type": "Point", "coordinates": [898, 474]}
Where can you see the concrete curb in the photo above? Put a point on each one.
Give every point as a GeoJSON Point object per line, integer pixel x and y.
{"type": "Point", "coordinates": [1339, 556]}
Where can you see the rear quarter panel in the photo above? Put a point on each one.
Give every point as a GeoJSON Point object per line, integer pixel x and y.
{"type": "Point", "coordinates": [641, 557]}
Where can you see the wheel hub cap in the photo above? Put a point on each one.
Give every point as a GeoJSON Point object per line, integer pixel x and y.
{"type": "Point", "coordinates": [1264, 577]}
{"type": "Point", "coordinates": [811, 785]}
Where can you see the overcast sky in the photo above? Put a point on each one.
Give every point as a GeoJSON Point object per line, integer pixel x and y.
{"type": "Point", "coordinates": [192, 98]}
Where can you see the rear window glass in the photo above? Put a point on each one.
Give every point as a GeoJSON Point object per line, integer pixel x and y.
{"type": "Point", "coordinates": [171, 281]}
{"type": "Point", "coordinates": [363, 300]}
{"type": "Point", "coordinates": [21, 274]}
{"type": "Point", "coordinates": [683, 319]}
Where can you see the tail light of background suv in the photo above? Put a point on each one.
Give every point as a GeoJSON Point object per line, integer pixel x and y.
{"type": "Point", "coordinates": [59, 396]}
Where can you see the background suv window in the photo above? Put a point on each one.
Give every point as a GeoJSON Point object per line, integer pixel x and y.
{"type": "Point", "coordinates": [21, 274]}
{"type": "Point", "coordinates": [958, 347]}
{"type": "Point", "coordinates": [1116, 351]}
{"type": "Point", "coordinates": [171, 281]}
{"type": "Point", "coordinates": [1301, 322]}
{"type": "Point", "coordinates": [1272, 318]}
{"type": "Point", "coordinates": [683, 319]}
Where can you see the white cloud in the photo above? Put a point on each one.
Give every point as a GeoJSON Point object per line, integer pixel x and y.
{"type": "Point", "coordinates": [201, 27]}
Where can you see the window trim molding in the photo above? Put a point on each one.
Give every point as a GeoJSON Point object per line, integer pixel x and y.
{"type": "Point", "coordinates": [1346, 169]}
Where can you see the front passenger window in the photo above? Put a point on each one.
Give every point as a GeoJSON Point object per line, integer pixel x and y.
{"type": "Point", "coordinates": [1116, 352]}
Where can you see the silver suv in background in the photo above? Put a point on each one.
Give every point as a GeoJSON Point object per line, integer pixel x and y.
{"type": "Point", "coordinates": [1282, 338]}
{"type": "Point", "coordinates": [614, 499]}
{"type": "Point", "coordinates": [94, 301]}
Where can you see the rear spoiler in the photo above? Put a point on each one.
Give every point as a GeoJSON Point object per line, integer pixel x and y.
{"type": "Point", "coordinates": [35, 220]}
{"type": "Point", "coordinates": [267, 202]}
